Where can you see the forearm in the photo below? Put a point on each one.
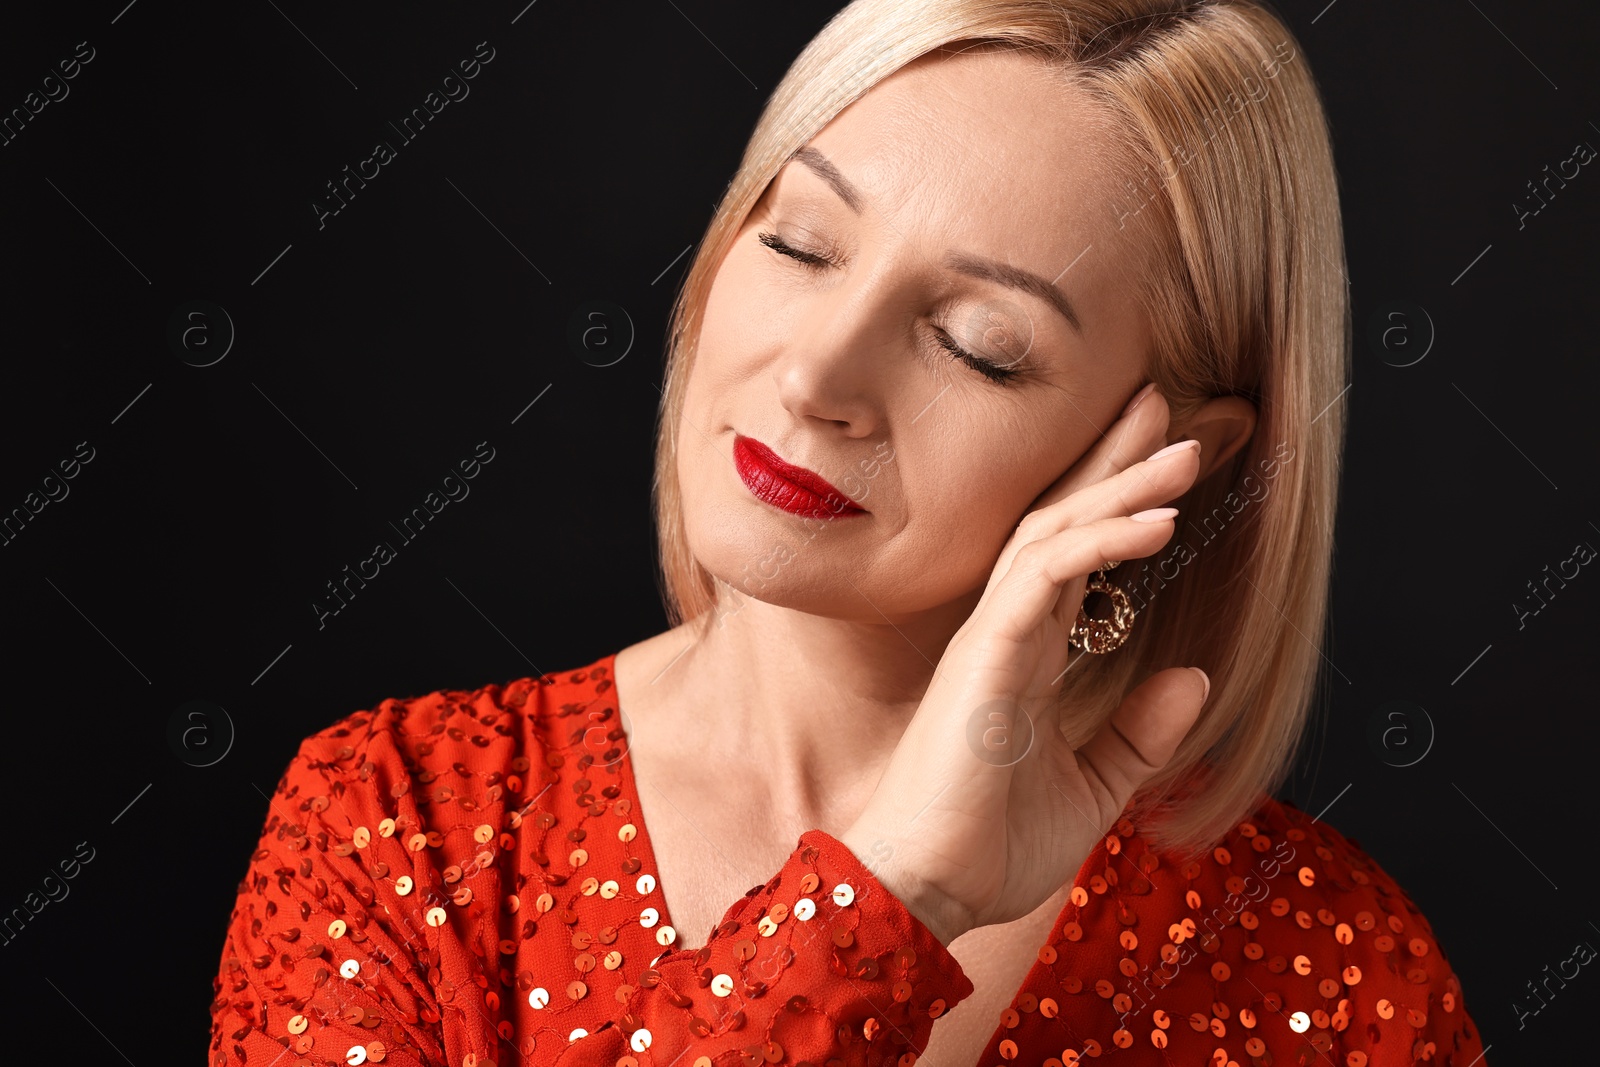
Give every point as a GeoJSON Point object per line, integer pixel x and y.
{"type": "Point", "coordinates": [820, 963]}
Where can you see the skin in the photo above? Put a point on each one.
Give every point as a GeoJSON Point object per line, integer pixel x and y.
{"type": "Point", "coordinates": [837, 694]}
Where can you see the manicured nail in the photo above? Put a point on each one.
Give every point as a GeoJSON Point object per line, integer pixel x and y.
{"type": "Point", "coordinates": [1154, 515]}
{"type": "Point", "coordinates": [1207, 680]}
{"type": "Point", "coordinates": [1170, 449]}
{"type": "Point", "coordinates": [1140, 395]}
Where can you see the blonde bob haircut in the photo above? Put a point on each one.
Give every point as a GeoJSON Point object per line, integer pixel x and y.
{"type": "Point", "coordinates": [1227, 178]}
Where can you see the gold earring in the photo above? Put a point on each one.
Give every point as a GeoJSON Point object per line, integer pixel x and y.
{"type": "Point", "coordinates": [1100, 636]}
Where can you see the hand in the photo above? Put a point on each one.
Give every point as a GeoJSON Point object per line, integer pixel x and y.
{"type": "Point", "coordinates": [977, 839]}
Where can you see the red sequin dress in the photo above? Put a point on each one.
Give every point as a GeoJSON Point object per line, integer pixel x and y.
{"type": "Point", "coordinates": [463, 879]}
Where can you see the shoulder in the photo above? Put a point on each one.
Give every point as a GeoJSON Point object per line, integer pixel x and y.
{"type": "Point", "coordinates": [381, 820]}
{"type": "Point", "coordinates": [1342, 951]}
{"type": "Point", "coordinates": [494, 736]}
{"type": "Point", "coordinates": [1320, 879]}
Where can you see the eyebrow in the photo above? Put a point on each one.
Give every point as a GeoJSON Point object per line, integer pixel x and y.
{"type": "Point", "coordinates": [961, 262]}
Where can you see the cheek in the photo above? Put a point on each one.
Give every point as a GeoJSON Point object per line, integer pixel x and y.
{"type": "Point", "coordinates": [971, 501]}
{"type": "Point", "coordinates": [716, 538]}
{"type": "Point", "coordinates": [724, 532]}
{"type": "Point", "coordinates": [968, 490]}
{"type": "Point", "coordinates": [743, 300]}
{"type": "Point", "coordinates": [738, 327]}
{"type": "Point", "coordinates": [961, 498]}
{"type": "Point", "coordinates": [697, 461]}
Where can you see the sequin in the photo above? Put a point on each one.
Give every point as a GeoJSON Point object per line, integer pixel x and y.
{"type": "Point", "coordinates": [430, 870]}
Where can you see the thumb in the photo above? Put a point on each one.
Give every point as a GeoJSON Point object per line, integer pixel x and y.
{"type": "Point", "coordinates": [1145, 730]}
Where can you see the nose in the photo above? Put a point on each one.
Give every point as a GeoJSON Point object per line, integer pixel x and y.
{"type": "Point", "coordinates": [838, 364]}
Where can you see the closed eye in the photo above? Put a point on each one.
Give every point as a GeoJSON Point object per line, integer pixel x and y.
{"type": "Point", "coordinates": [817, 262]}
{"type": "Point", "coordinates": [813, 260]}
{"type": "Point", "coordinates": [993, 371]}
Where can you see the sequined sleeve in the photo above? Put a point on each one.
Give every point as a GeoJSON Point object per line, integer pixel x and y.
{"type": "Point", "coordinates": [819, 965]}
{"type": "Point", "coordinates": [1343, 934]}
{"type": "Point", "coordinates": [1284, 944]}
{"type": "Point", "coordinates": [315, 967]}
{"type": "Point", "coordinates": [1309, 954]}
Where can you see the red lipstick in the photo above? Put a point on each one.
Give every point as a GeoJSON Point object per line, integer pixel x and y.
{"type": "Point", "coordinates": [783, 485]}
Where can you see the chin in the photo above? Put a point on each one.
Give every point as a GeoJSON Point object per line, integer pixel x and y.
{"type": "Point", "coordinates": [741, 546]}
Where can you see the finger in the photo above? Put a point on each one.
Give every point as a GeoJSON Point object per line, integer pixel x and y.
{"type": "Point", "coordinates": [1129, 439]}
{"type": "Point", "coordinates": [1031, 588]}
{"type": "Point", "coordinates": [1065, 612]}
{"type": "Point", "coordinates": [1147, 484]}
{"type": "Point", "coordinates": [1139, 488]}
{"type": "Point", "coordinates": [1146, 426]}
{"type": "Point", "coordinates": [1143, 733]}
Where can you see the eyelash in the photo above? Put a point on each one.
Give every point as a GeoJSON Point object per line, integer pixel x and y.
{"type": "Point", "coordinates": [815, 262]}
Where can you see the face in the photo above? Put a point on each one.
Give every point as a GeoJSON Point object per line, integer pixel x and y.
{"type": "Point", "coordinates": [928, 309]}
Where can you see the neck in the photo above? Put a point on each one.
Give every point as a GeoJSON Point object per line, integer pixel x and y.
{"type": "Point", "coordinates": [809, 708]}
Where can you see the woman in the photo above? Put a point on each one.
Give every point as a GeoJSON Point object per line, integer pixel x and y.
{"type": "Point", "coordinates": [902, 433]}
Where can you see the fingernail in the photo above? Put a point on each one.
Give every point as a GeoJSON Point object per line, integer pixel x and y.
{"type": "Point", "coordinates": [1140, 395]}
{"type": "Point", "coordinates": [1154, 515]}
{"type": "Point", "coordinates": [1207, 680]}
{"type": "Point", "coordinates": [1170, 449]}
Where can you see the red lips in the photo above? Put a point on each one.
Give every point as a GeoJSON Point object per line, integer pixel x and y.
{"type": "Point", "coordinates": [783, 485]}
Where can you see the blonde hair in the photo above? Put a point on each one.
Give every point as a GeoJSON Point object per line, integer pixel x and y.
{"type": "Point", "coordinates": [1227, 177]}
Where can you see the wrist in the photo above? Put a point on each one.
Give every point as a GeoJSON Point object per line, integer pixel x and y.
{"type": "Point", "coordinates": [942, 917]}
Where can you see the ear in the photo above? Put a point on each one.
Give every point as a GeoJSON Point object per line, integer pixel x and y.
{"type": "Point", "coordinates": [1222, 425]}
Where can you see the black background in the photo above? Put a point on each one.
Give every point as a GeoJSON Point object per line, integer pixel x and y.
{"type": "Point", "coordinates": [375, 352]}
